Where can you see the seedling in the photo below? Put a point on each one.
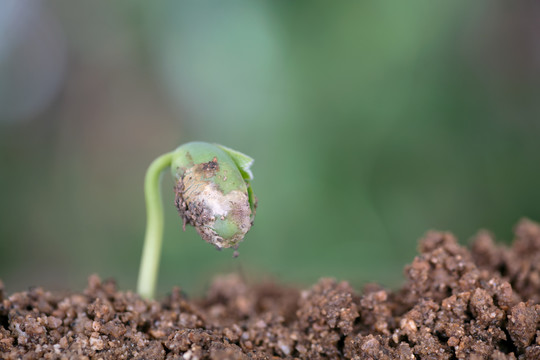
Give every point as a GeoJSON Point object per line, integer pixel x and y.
{"type": "Point", "coordinates": [212, 193]}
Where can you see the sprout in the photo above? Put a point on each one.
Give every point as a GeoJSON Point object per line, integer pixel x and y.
{"type": "Point", "coordinates": [213, 194]}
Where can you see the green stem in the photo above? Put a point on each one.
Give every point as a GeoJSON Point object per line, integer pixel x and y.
{"type": "Point", "coordinates": [149, 268]}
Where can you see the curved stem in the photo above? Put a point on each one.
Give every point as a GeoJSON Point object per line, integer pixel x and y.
{"type": "Point", "coordinates": [149, 268]}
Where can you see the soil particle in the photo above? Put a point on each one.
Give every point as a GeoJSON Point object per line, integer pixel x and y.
{"type": "Point", "coordinates": [519, 264]}
{"type": "Point", "coordinates": [326, 314]}
{"type": "Point", "coordinates": [522, 324]}
{"type": "Point", "coordinates": [210, 168]}
{"type": "Point", "coordinates": [455, 304]}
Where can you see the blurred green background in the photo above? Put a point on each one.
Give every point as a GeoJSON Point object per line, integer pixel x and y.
{"type": "Point", "coordinates": [371, 122]}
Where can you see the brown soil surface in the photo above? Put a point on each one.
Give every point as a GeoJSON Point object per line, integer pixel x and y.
{"type": "Point", "coordinates": [457, 303]}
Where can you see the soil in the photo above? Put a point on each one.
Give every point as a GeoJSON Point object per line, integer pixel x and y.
{"type": "Point", "coordinates": [456, 303]}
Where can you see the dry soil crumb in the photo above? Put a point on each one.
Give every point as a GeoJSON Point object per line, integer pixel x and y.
{"type": "Point", "coordinates": [456, 304]}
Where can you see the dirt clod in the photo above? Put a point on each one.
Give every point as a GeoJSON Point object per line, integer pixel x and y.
{"type": "Point", "coordinates": [482, 303]}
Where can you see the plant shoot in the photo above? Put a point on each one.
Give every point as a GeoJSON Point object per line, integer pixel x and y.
{"type": "Point", "coordinates": [212, 193]}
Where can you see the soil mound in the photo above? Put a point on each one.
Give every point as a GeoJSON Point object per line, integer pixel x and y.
{"type": "Point", "coordinates": [481, 303]}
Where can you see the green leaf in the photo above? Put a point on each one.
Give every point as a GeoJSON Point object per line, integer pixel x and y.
{"type": "Point", "coordinates": [241, 160]}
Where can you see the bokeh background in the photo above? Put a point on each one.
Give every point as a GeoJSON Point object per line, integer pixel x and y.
{"type": "Point", "coordinates": [371, 122]}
